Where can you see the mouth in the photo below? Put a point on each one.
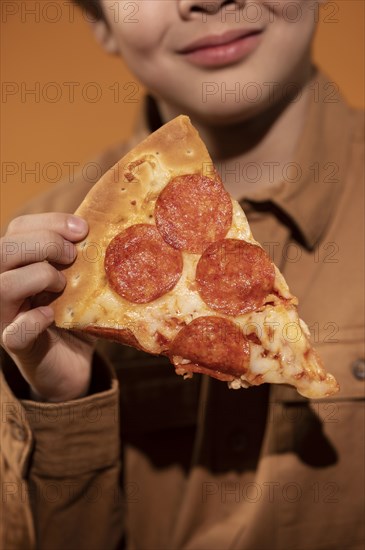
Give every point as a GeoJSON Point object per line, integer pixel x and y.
{"type": "Point", "coordinates": [221, 50]}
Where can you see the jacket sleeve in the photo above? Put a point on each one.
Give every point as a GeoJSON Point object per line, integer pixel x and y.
{"type": "Point", "coordinates": [60, 466]}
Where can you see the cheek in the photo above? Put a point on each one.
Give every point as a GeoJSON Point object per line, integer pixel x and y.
{"type": "Point", "coordinates": [290, 30]}
{"type": "Point", "coordinates": [290, 10]}
{"type": "Point", "coordinates": [138, 26]}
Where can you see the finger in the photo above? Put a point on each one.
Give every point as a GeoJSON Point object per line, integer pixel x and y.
{"type": "Point", "coordinates": [36, 246]}
{"type": "Point", "coordinates": [27, 281]}
{"type": "Point", "coordinates": [20, 336]}
{"type": "Point", "coordinates": [71, 227]}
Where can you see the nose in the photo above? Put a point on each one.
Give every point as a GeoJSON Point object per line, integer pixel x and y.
{"type": "Point", "coordinates": [193, 9]}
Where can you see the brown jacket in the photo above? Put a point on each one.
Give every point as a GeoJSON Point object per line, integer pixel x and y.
{"type": "Point", "coordinates": [192, 464]}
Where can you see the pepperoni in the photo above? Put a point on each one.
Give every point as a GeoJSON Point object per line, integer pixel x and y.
{"type": "Point", "coordinates": [140, 266]}
{"type": "Point", "coordinates": [193, 211]}
{"type": "Point", "coordinates": [212, 343]}
{"type": "Point", "coordinates": [234, 276]}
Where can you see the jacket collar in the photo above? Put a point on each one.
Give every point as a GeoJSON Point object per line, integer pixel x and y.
{"type": "Point", "coordinates": [318, 165]}
{"type": "Point", "coordinates": [321, 161]}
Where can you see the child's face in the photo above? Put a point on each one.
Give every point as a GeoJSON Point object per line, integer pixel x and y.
{"type": "Point", "coordinates": [221, 82]}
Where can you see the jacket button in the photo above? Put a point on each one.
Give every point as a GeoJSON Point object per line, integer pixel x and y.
{"type": "Point", "coordinates": [17, 430]}
{"type": "Point", "coordinates": [358, 369]}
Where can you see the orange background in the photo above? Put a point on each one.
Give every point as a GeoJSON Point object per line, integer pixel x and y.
{"type": "Point", "coordinates": [54, 52]}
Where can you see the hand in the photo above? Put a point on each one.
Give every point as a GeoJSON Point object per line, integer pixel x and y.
{"type": "Point", "coordinates": [56, 363]}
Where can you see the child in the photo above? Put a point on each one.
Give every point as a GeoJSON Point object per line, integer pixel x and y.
{"type": "Point", "coordinates": [202, 467]}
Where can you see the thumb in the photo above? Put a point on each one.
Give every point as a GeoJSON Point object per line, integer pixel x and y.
{"type": "Point", "coordinates": [20, 336]}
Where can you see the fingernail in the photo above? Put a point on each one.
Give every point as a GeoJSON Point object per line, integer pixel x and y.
{"type": "Point", "coordinates": [47, 311]}
{"type": "Point", "coordinates": [70, 251]}
{"type": "Point", "coordinates": [77, 225]}
{"type": "Point", "coordinates": [62, 277]}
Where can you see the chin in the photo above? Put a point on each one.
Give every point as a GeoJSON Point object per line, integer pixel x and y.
{"type": "Point", "coordinates": [221, 114]}
{"type": "Point", "coordinates": [212, 110]}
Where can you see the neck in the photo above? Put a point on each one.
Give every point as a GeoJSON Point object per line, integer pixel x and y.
{"type": "Point", "coordinates": [252, 155]}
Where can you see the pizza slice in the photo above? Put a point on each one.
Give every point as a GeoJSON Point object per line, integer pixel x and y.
{"type": "Point", "coordinates": [170, 267]}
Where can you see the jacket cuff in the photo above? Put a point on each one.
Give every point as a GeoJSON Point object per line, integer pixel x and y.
{"type": "Point", "coordinates": [63, 439]}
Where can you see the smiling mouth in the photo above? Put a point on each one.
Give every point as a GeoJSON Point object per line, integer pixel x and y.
{"type": "Point", "coordinates": [216, 51]}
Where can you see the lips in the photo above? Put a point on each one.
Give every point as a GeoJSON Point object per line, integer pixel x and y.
{"type": "Point", "coordinates": [218, 50]}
